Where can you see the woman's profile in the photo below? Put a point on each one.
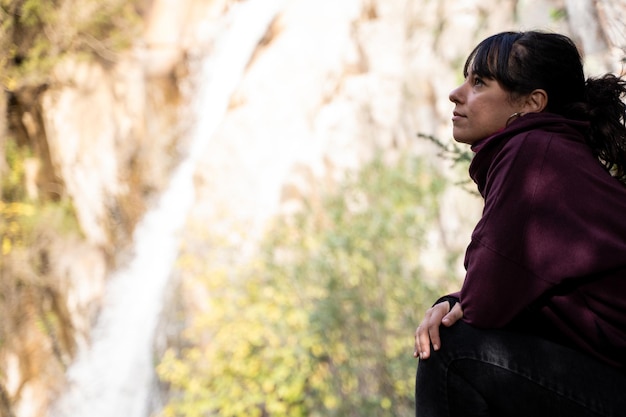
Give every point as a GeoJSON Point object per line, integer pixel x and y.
{"type": "Point", "coordinates": [538, 327]}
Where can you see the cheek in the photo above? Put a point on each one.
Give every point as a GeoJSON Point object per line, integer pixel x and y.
{"type": "Point", "coordinates": [497, 113]}
{"type": "Point", "coordinates": [503, 116]}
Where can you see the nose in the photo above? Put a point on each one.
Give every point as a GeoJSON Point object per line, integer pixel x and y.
{"type": "Point", "coordinates": [455, 95]}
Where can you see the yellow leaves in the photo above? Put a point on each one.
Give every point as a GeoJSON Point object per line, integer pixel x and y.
{"type": "Point", "coordinates": [317, 350]}
{"type": "Point", "coordinates": [277, 408]}
{"type": "Point", "coordinates": [23, 223]}
{"type": "Point", "coordinates": [249, 337]}
{"type": "Point", "coordinates": [320, 323]}
{"type": "Point", "coordinates": [9, 83]}
{"type": "Point", "coordinates": [268, 386]}
{"type": "Point", "coordinates": [403, 388]}
{"type": "Point", "coordinates": [32, 11]}
{"type": "Point", "coordinates": [6, 245]}
{"type": "Point", "coordinates": [12, 218]}
{"type": "Point", "coordinates": [18, 209]}
{"type": "Point", "coordinates": [330, 401]}
{"type": "Point", "coordinates": [385, 403]}
{"type": "Point", "coordinates": [172, 369]}
{"type": "Point", "coordinates": [297, 319]}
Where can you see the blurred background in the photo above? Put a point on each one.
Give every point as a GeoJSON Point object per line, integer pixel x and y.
{"type": "Point", "coordinates": [237, 208]}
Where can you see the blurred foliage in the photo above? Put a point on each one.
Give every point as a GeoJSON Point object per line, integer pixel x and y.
{"type": "Point", "coordinates": [12, 185]}
{"type": "Point", "coordinates": [459, 156]}
{"type": "Point", "coordinates": [20, 222]}
{"type": "Point", "coordinates": [14, 217]}
{"type": "Point", "coordinates": [451, 150]}
{"type": "Point", "coordinates": [558, 14]}
{"type": "Point", "coordinates": [321, 322]}
{"type": "Point", "coordinates": [36, 327]}
{"type": "Point", "coordinates": [28, 230]}
{"type": "Point", "coordinates": [36, 34]}
{"type": "Point", "coordinates": [22, 217]}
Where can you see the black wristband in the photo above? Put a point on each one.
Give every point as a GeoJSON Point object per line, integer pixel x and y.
{"type": "Point", "coordinates": [450, 299]}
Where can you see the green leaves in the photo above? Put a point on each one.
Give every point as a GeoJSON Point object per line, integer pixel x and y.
{"type": "Point", "coordinates": [37, 34]}
{"type": "Point", "coordinates": [321, 323]}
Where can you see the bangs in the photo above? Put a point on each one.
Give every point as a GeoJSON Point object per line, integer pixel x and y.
{"type": "Point", "coordinates": [490, 59]}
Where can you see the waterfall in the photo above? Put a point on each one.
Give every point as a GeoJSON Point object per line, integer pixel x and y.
{"type": "Point", "coordinates": [113, 377]}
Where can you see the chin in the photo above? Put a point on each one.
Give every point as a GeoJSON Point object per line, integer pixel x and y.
{"type": "Point", "coordinates": [462, 140]}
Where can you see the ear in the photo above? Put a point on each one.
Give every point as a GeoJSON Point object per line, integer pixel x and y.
{"type": "Point", "coordinates": [536, 101]}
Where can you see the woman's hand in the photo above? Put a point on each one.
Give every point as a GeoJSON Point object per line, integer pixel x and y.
{"type": "Point", "coordinates": [428, 330]}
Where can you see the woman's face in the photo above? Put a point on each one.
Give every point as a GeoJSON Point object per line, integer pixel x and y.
{"type": "Point", "coordinates": [482, 107]}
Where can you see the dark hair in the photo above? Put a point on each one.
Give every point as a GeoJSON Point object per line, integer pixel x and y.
{"type": "Point", "coordinates": [524, 61]}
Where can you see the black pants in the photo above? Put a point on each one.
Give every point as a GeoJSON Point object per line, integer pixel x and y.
{"type": "Point", "coordinates": [504, 374]}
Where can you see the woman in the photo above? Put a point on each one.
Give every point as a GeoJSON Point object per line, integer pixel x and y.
{"type": "Point", "coordinates": [539, 326]}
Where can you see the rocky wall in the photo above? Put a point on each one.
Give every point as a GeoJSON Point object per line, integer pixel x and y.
{"type": "Point", "coordinates": [104, 134]}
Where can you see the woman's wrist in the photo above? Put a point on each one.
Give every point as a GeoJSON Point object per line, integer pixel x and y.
{"type": "Point", "coordinates": [451, 299]}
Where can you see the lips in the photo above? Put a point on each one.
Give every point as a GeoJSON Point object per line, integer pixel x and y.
{"type": "Point", "coordinates": [457, 116]}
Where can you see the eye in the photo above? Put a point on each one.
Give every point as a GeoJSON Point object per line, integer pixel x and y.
{"type": "Point", "coordinates": [477, 81]}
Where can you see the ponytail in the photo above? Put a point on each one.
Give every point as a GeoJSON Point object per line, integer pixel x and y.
{"type": "Point", "coordinates": [606, 112]}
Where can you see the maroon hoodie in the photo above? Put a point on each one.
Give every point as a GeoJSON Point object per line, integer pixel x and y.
{"type": "Point", "coordinates": [549, 253]}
